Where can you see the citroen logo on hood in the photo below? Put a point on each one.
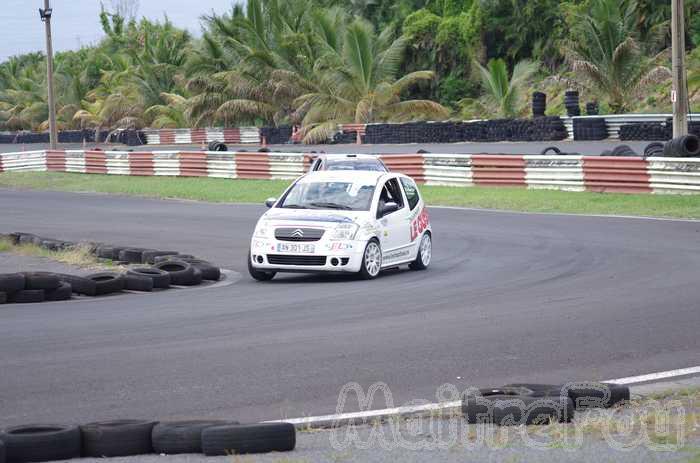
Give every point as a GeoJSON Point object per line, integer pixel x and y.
{"type": "Point", "coordinates": [298, 233]}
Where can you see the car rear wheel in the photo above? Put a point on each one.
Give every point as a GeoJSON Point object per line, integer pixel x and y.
{"type": "Point", "coordinates": [425, 253]}
{"type": "Point", "coordinates": [257, 274]}
{"type": "Point", "coordinates": [371, 260]}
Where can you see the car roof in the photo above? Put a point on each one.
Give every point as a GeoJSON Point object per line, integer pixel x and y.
{"type": "Point", "coordinates": [361, 176]}
{"type": "Point", "coordinates": [337, 156]}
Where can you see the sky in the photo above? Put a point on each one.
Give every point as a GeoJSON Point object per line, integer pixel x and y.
{"type": "Point", "coordinates": [76, 23]}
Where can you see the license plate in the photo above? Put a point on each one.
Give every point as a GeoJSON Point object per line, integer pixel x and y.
{"type": "Point", "coordinates": [295, 248]}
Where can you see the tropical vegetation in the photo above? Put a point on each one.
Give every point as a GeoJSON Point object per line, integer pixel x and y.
{"type": "Point", "coordinates": [319, 63]}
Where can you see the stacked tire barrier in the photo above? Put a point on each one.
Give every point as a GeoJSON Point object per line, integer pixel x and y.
{"type": "Point", "coordinates": [660, 131]}
{"type": "Point", "coordinates": [571, 103]}
{"type": "Point", "coordinates": [538, 129]}
{"type": "Point", "coordinates": [276, 135]}
{"type": "Point", "coordinates": [149, 270]}
{"type": "Point", "coordinates": [633, 174]}
{"type": "Point", "coordinates": [590, 128]}
{"type": "Point", "coordinates": [134, 437]}
{"type": "Point", "coordinates": [539, 104]}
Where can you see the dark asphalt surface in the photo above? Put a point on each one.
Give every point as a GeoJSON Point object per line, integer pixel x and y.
{"type": "Point", "coordinates": [509, 297]}
{"type": "Point", "coordinates": [589, 148]}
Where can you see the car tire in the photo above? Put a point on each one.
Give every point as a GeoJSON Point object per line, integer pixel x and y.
{"type": "Point", "coordinates": [258, 274]}
{"type": "Point", "coordinates": [504, 409]}
{"type": "Point", "coordinates": [80, 285]}
{"type": "Point", "coordinates": [181, 273]}
{"type": "Point", "coordinates": [178, 437]}
{"type": "Point", "coordinates": [11, 282]}
{"type": "Point", "coordinates": [62, 293]}
{"type": "Point", "coordinates": [107, 282]}
{"type": "Point", "coordinates": [254, 438]}
{"type": "Point", "coordinates": [424, 255]}
{"type": "Point", "coordinates": [132, 255]}
{"type": "Point", "coordinates": [41, 280]}
{"type": "Point", "coordinates": [370, 267]}
{"type": "Point", "coordinates": [161, 278]}
{"type": "Point", "coordinates": [209, 272]}
{"type": "Point", "coordinates": [583, 394]}
{"type": "Point", "coordinates": [41, 442]}
{"type": "Point", "coordinates": [138, 283]}
{"type": "Point", "coordinates": [3, 300]}
{"type": "Point", "coordinates": [148, 256]}
{"type": "Point", "coordinates": [117, 438]}
{"type": "Point", "coordinates": [27, 296]}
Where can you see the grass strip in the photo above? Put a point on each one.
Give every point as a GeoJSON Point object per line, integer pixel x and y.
{"type": "Point", "coordinates": [256, 191]}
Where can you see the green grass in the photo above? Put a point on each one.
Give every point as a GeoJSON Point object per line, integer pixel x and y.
{"type": "Point", "coordinates": [79, 256]}
{"type": "Point", "coordinates": [256, 191]}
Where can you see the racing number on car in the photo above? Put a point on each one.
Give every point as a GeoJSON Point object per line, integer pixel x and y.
{"type": "Point", "coordinates": [419, 224]}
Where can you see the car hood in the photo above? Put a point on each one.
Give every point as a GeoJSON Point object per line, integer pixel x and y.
{"type": "Point", "coordinates": [323, 218]}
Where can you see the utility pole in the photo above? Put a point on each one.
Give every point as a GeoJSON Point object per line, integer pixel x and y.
{"type": "Point", "coordinates": [679, 94]}
{"type": "Point", "coordinates": [45, 15]}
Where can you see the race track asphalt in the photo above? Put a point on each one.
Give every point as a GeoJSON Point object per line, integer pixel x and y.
{"type": "Point", "coordinates": [588, 148]}
{"type": "Point", "coordinates": [509, 297]}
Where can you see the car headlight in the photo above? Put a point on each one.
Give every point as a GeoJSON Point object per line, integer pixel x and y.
{"type": "Point", "coordinates": [262, 230]}
{"type": "Point", "coordinates": [345, 231]}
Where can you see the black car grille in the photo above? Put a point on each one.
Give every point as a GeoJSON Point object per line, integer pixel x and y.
{"type": "Point", "coordinates": [283, 259]}
{"type": "Point", "coordinates": [299, 234]}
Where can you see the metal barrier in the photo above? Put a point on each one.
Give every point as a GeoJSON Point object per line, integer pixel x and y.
{"type": "Point", "coordinates": [572, 173]}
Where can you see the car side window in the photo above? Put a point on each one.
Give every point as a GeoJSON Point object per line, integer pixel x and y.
{"type": "Point", "coordinates": [411, 191]}
{"type": "Point", "coordinates": [391, 192]}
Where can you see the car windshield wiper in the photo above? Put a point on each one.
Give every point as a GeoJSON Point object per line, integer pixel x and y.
{"type": "Point", "coordinates": [294, 206]}
{"type": "Point", "coordinates": [332, 206]}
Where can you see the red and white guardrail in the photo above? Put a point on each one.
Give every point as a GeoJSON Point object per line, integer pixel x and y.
{"type": "Point", "coordinates": [236, 135]}
{"type": "Point", "coordinates": [574, 173]}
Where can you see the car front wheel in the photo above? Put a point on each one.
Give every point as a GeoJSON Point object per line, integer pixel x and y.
{"type": "Point", "coordinates": [257, 274]}
{"type": "Point", "coordinates": [371, 260]}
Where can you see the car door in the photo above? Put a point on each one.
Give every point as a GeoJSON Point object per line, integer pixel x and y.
{"type": "Point", "coordinates": [395, 232]}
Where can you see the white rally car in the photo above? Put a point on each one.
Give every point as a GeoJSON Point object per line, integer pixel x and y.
{"type": "Point", "coordinates": [342, 221]}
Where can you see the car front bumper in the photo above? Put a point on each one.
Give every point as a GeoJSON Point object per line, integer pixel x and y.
{"type": "Point", "coordinates": [328, 256]}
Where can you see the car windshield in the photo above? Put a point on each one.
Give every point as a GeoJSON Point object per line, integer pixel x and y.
{"type": "Point", "coordinates": [365, 164]}
{"type": "Point", "coordinates": [348, 196]}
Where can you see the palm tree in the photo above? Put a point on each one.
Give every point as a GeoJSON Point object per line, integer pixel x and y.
{"type": "Point", "coordinates": [606, 55]}
{"type": "Point", "coordinates": [502, 94]}
{"type": "Point", "coordinates": [358, 80]}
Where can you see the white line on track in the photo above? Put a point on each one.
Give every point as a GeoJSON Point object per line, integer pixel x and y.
{"type": "Point", "coordinates": [368, 416]}
{"type": "Point", "coordinates": [656, 376]}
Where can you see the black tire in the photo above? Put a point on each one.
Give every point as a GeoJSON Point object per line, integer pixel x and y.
{"type": "Point", "coordinates": [159, 259]}
{"type": "Point", "coordinates": [80, 285]}
{"type": "Point", "coordinates": [654, 149]}
{"type": "Point", "coordinates": [177, 437]}
{"type": "Point", "coordinates": [420, 262]}
{"type": "Point", "coordinates": [148, 256]}
{"type": "Point", "coordinates": [583, 394]}
{"type": "Point", "coordinates": [494, 407]}
{"type": "Point", "coordinates": [623, 150]}
{"type": "Point", "coordinates": [62, 293]}
{"type": "Point", "coordinates": [27, 296]}
{"type": "Point", "coordinates": [209, 271]}
{"type": "Point", "coordinates": [197, 277]}
{"type": "Point", "coordinates": [258, 274]}
{"type": "Point", "coordinates": [116, 250]}
{"type": "Point", "coordinates": [11, 282]}
{"type": "Point", "coordinates": [3, 453]}
{"type": "Point", "coordinates": [41, 442]}
{"type": "Point", "coordinates": [181, 273]}
{"type": "Point", "coordinates": [105, 252]}
{"type": "Point", "coordinates": [365, 273]}
{"type": "Point", "coordinates": [553, 149]}
{"type": "Point", "coordinates": [160, 278]}
{"type": "Point", "coordinates": [41, 280]}
{"type": "Point", "coordinates": [107, 282]}
{"type": "Point", "coordinates": [132, 255]}
{"type": "Point", "coordinates": [138, 283]}
{"type": "Point", "coordinates": [118, 438]}
{"type": "Point", "coordinates": [253, 438]}
{"type": "Point", "coordinates": [3, 300]}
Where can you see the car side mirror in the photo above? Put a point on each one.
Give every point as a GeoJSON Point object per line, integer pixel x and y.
{"type": "Point", "coordinates": [389, 208]}
{"type": "Point", "coordinates": [269, 202]}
